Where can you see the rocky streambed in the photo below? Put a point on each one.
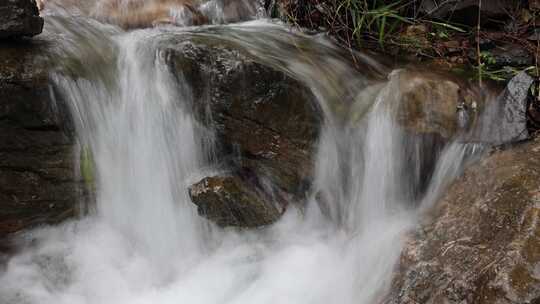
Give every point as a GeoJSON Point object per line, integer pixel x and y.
{"type": "Point", "coordinates": [477, 243]}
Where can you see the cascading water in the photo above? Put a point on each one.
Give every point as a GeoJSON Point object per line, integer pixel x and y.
{"type": "Point", "coordinates": [145, 242]}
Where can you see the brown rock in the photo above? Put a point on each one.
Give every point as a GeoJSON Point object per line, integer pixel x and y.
{"type": "Point", "coordinates": [429, 103]}
{"type": "Point", "coordinates": [481, 243]}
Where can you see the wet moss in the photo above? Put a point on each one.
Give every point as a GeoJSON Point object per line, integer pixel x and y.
{"type": "Point", "coordinates": [87, 167]}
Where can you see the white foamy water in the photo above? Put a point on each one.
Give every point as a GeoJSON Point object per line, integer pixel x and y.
{"type": "Point", "coordinates": [145, 243]}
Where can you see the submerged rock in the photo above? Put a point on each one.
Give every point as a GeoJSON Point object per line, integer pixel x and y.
{"type": "Point", "coordinates": [37, 154]}
{"type": "Point", "coordinates": [481, 243]}
{"type": "Point", "coordinates": [19, 18]}
{"type": "Point", "coordinates": [229, 201]}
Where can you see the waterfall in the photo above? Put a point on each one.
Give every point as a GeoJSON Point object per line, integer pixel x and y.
{"type": "Point", "coordinates": [144, 241]}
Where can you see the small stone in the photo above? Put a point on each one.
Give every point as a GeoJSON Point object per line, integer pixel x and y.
{"type": "Point", "coordinates": [229, 201]}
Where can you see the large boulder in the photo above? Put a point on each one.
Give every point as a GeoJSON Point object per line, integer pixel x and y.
{"type": "Point", "coordinates": [270, 118]}
{"type": "Point", "coordinates": [230, 201]}
{"type": "Point", "coordinates": [37, 155]}
{"type": "Point", "coordinates": [19, 18]}
{"type": "Point", "coordinates": [481, 242]}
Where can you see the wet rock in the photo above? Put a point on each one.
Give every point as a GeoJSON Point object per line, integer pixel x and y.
{"type": "Point", "coordinates": [229, 201]}
{"type": "Point", "coordinates": [481, 242]}
{"type": "Point", "coordinates": [19, 18]}
{"type": "Point", "coordinates": [430, 103]}
{"type": "Point", "coordinates": [504, 120]}
{"type": "Point", "coordinates": [435, 104]}
{"type": "Point", "coordinates": [270, 118]}
{"type": "Point", "coordinates": [37, 155]}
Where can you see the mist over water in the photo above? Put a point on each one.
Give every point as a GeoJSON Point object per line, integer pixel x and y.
{"type": "Point", "coordinates": [144, 242]}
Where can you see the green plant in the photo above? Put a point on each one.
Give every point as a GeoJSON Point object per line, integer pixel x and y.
{"type": "Point", "coordinates": [374, 19]}
{"type": "Point", "coordinates": [87, 166]}
{"type": "Point", "coordinates": [503, 74]}
{"type": "Point", "coordinates": [446, 26]}
{"type": "Point", "coordinates": [487, 58]}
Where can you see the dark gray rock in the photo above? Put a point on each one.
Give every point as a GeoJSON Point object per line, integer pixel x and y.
{"type": "Point", "coordinates": [19, 18]}
{"type": "Point", "coordinates": [266, 123]}
{"type": "Point", "coordinates": [37, 155]}
{"type": "Point", "coordinates": [504, 119]}
{"type": "Point", "coordinates": [272, 119]}
{"type": "Point", "coordinates": [229, 201]}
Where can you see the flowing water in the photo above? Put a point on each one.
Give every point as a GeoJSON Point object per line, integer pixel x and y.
{"type": "Point", "coordinates": [144, 242]}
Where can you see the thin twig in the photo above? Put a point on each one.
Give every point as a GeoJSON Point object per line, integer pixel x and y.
{"type": "Point", "coordinates": [478, 44]}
